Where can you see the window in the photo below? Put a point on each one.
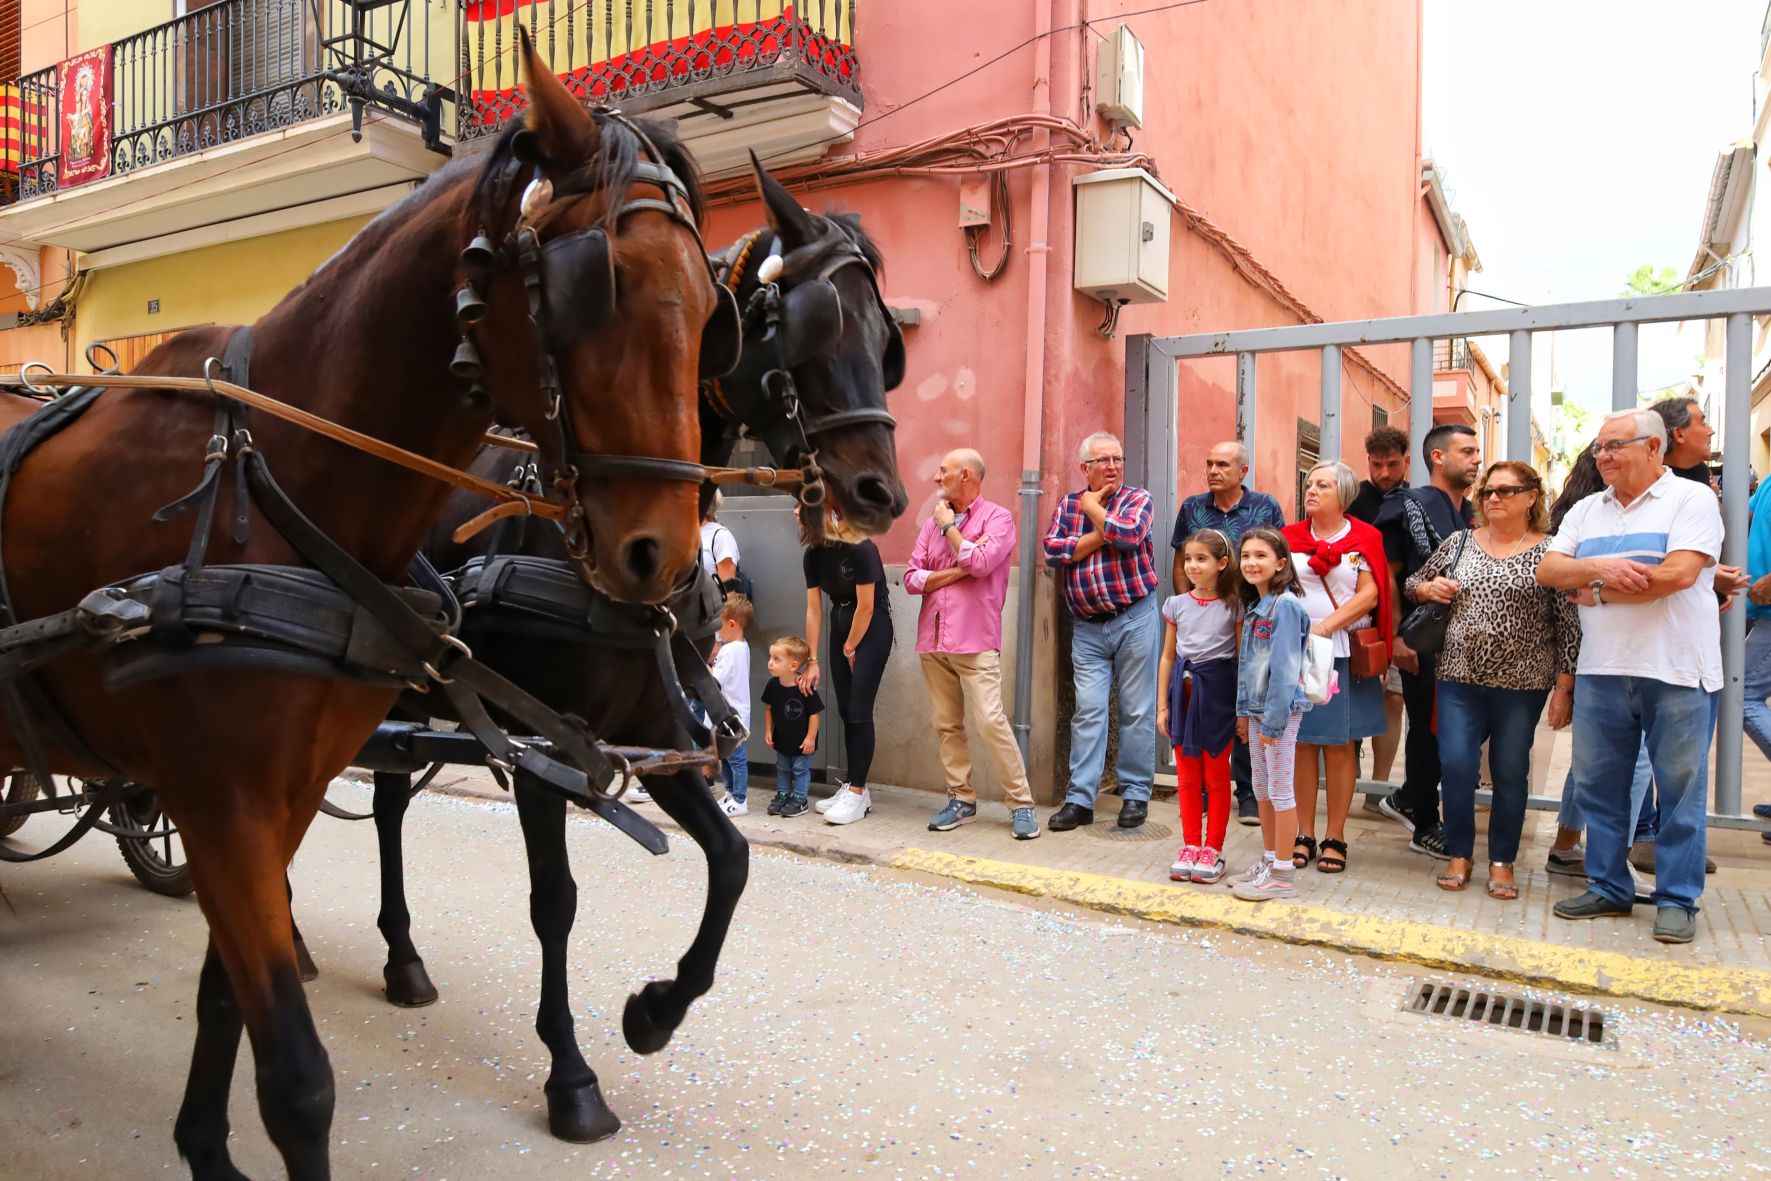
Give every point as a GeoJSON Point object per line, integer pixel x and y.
{"type": "Point", "coordinates": [1379, 417]}
{"type": "Point", "coordinates": [1309, 455]}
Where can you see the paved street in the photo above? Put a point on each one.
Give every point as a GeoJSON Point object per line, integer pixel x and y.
{"type": "Point", "coordinates": [866, 1023]}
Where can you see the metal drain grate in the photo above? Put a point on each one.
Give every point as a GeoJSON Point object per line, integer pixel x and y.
{"type": "Point", "coordinates": [1104, 829]}
{"type": "Point", "coordinates": [1555, 1019]}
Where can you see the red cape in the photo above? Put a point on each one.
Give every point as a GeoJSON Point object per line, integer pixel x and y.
{"type": "Point", "coordinates": [1369, 544]}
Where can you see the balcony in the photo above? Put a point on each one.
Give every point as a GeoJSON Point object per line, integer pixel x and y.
{"type": "Point", "coordinates": [231, 115]}
{"type": "Point", "coordinates": [779, 78]}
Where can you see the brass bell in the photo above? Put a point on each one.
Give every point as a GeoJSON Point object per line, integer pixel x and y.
{"type": "Point", "coordinates": [469, 307]}
{"type": "Point", "coordinates": [478, 400]}
{"type": "Point", "coordinates": [478, 256]}
{"type": "Point", "coordinates": [466, 362]}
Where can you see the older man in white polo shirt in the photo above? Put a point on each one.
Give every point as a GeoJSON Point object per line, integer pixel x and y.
{"type": "Point", "coordinates": [1639, 558]}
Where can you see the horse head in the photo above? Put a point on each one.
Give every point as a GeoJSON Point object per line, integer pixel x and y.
{"type": "Point", "coordinates": [820, 353]}
{"type": "Point", "coordinates": [587, 287]}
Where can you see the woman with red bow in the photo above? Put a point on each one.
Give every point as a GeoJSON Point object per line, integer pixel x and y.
{"type": "Point", "coordinates": [1340, 562]}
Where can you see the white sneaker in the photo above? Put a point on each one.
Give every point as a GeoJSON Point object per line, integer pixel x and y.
{"type": "Point", "coordinates": [636, 795]}
{"type": "Point", "coordinates": [733, 806]}
{"type": "Point", "coordinates": [849, 807]}
{"type": "Point", "coordinates": [828, 802]}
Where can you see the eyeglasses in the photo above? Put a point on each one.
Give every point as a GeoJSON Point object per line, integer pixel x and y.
{"type": "Point", "coordinates": [1617, 445]}
{"type": "Point", "coordinates": [1504, 491]}
{"type": "Point", "coordinates": [1111, 460]}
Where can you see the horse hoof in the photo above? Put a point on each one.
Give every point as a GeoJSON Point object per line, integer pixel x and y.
{"type": "Point", "coordinates": [580, 1115]}
{"type": "Point", "coordinates": [304, 963]}
{"type": "Point", "coordinates": [644, 1035]}
{"type": "Point", "coordinates": [409, 986]}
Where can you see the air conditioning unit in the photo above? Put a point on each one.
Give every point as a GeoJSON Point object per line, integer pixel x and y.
{"type": "Point", "coordinates": [1123, 216]}
{"type": "Point", "coordinates": [1119, 79]}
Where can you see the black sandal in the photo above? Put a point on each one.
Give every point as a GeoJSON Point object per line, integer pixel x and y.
{"type": "Point", "coordinates": [1308, 855]}
{"type": "Point", "coordinates": [1334, 856]}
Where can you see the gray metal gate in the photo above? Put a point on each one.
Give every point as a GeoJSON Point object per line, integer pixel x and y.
{"type": "Point", "coordinates": [1151, 385]}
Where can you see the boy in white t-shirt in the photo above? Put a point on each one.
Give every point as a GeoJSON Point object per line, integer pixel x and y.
{"type": "Point", "coordinates": [731, 668]}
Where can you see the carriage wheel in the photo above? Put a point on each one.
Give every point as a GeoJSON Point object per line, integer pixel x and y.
{"type": "Point", "coordinates": [157, 857]}
{"type": "Point", "coordinates": [21, 788]}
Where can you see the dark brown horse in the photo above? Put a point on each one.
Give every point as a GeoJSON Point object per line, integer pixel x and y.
{"type": "Point", "coordinates": [836, 341]}
{"type": "Point", "coordinates": [241, 758]}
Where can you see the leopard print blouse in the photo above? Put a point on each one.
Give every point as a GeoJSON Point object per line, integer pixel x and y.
{"type": "Point", "coordinates": [1505, 632]}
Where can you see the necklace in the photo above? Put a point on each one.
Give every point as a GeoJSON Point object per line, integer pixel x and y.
{"type": "Point", "coordinates": [1518, 546]}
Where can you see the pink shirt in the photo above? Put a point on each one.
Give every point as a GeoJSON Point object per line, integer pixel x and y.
{"type": "Point", "coordinates": [965, 616]}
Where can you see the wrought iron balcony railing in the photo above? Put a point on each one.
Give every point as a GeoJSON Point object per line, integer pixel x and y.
{"type": "Point", "coordinates": [643, 54]}
{"type": "Point", "coordinates": [239, 68]}
{"type": "Point", "coordinates": [1452, 353]}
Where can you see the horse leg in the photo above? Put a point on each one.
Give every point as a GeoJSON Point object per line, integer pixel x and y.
{"type": "Point", "coordinates": [201, 1130]}
{"type": "Point", "coordinates": [304, 963]}
{"type": "Point", "coordinates": [408, 984]}
{"type": "Point", "coordinates": [237, 857]}
{"type": "Point", "coordinates": [576, 1110]}
{"type": "Point", "coordinates": [653, 1013]}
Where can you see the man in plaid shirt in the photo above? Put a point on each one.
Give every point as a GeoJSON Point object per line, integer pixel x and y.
{"type": "Point", "coordinates": [1100, 538]}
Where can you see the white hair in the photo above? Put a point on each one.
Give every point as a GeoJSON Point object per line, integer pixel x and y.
{"type": "Point", "coordinates": [1346, 484]}
{"type": "Point", "coordinates": [970, 460]}
{"type": "Point", "coordinates": [1098, 437]}
{"type": "Point", "coordinates": [1646, 422]}
{"type": "Point", "coordinates": [1240, 449]}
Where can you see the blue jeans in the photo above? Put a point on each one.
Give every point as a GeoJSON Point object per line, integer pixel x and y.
{"type": "Point", "coordinates": [1123, 650]}
{"type": "Point", "coordinates": [1641, 784]}
{"type": "Point", "coordinates": [793, 775]}
{"type": "Point", "coordinates": [736, 770]}
{"type": "Point", "coordinates": [1612, 717]}
{"type": "Point", "coordinates": [1758, 685]}
{"type": "Point", "coordinates": [1506, 719]}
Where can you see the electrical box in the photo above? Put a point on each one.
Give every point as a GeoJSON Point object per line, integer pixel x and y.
{"type": "Point", "coordinates": [1123, 217]}
{"type": "Point", "coordinates": [1119, 78]}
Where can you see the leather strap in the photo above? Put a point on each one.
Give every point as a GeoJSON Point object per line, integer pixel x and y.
{"type": "Point", "coordinates": [106, 794]}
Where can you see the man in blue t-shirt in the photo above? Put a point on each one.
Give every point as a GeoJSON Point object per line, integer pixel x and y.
{"type": "Point", "coordinates": [1758, 635]}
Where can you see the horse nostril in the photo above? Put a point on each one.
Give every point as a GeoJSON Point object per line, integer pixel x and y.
{"type": "Point", "coordinates": [873, 492]}
{"type": "Point", "coordinates": [642, 559]}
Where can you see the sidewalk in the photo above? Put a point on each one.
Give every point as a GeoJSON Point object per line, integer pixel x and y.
{"type": "Point", "coordinates": [1386, 904]}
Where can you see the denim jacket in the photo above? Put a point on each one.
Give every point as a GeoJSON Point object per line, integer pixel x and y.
{"type": "Point", "coordinates": [1269, 681]}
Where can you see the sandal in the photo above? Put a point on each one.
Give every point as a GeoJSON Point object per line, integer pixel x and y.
{"type": "Point", "coordinates": [1334, 856]}
{"type": "Point", "coordinates": [1453, 881]}
{"type": "Point", "coordinates": [1503, 891]}
{"type": "Point", "coordinates": [1308, 844]}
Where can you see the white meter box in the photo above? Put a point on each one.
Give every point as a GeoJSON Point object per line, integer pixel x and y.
{"type": "Point", "coordinates": [1123, 217]}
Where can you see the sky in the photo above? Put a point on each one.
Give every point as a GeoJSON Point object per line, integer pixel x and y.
{"type": "Point", "coordinates": [1577, 138]}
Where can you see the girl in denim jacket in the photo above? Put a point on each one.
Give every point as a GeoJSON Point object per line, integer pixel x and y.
{"type": "Point", "coordinates": [1270, 702]}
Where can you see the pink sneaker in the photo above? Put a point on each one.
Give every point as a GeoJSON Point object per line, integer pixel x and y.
{"type": "Point", "coordinates": [1184, 862]}
{"type": "Point", "coordinates": [1208, 866]}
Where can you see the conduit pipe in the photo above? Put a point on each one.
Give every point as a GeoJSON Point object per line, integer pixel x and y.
{"type": "Point", "coordinates": [1033, 414]}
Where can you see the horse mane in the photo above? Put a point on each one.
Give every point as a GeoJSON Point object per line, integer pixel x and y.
{"type": "Point", "coordinates": [850, 224]}
{"type": "Point", "coordinates": [614, 168]}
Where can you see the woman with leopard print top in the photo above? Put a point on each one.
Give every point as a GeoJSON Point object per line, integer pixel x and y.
{"type": "Point", "coordinates": [1508, 644]}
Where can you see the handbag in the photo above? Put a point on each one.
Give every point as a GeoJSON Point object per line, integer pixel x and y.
{"type": "Point", "coordinates": [1318, 675]}
{"type": "Point", "coordinates": [1366, 652]}
{"type": "Point", "coordinates": [1424, 628]}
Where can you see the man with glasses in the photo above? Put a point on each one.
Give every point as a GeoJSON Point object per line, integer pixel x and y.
{"type": "Point", "coordinates": [1639, 559]}
{"type": "Point", "coordinates": [1100, 539]}
{"type": "Point", "coordinates": [1232, 508]}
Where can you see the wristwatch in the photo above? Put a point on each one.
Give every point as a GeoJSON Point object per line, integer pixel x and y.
{"type": "Point", "coordinates": [949, 525]}
{"type": "Point", "coordinates": [1597, 585]}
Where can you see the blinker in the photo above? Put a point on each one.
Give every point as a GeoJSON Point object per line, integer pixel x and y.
{"type": "Point", "coordinates": [466, 362]}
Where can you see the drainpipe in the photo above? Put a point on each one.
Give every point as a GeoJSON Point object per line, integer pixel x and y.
{"type": "Point", "coordinates": [1033, 416]}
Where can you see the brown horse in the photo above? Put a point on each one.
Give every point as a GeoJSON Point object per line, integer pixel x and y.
{"type": "Point", "coordinates": [241, 758]}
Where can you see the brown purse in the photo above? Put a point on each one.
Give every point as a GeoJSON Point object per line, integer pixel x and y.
{"type": "Point", "coordinates": [1366, 652]}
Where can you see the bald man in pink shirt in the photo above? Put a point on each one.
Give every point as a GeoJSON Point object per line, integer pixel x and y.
{"type": "Point", "coordinates": [960, 568]}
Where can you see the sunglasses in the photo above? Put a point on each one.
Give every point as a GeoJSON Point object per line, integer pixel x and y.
{"type": "Point", "coordinates": [1504, 491]}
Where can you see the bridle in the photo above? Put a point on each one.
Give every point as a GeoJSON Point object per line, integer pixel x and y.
{"type": "Point", "coordinates": [569, 283]}
{"type": "Point", "coordinates": [775, 310]}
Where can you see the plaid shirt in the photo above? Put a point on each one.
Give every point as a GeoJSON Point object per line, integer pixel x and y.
{"type": "Point", "coordinates": [1119, 573]}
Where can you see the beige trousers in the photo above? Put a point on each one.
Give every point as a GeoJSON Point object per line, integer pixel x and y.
{"type": "Point", "coordinates": [954, 679]}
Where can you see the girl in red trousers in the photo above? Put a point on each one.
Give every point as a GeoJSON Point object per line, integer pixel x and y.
{"type": "Point", "coordinates": [1197, 710]}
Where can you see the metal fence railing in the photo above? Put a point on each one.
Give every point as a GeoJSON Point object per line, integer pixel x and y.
{"type": "Point", "coordinates": [1150, 366]}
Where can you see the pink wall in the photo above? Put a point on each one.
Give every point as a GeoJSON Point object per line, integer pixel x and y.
{"type": "Point", "coordinates": [1292, 126]}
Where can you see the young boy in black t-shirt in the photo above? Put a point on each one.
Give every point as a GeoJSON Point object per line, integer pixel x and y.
{"type": "Point", "coordinates": [790, 725]}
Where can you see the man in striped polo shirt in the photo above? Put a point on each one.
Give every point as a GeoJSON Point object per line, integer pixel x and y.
{"type": "Point", "coordinates": [1100, 539]}
{"type": "Point", "coordinates": [1639, 558]}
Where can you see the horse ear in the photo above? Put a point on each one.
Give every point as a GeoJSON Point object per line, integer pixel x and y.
{"type": "Point", "coordinates": [792, 224]}
{"type": "Point", "coordinates": [559, 129]}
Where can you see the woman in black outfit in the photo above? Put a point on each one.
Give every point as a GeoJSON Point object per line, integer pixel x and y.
{"type": "Point", "coordinates": [861, 623]}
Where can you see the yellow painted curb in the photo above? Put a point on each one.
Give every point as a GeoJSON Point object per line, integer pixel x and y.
{"type": "Point", "coordinates": [1694, 986]}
